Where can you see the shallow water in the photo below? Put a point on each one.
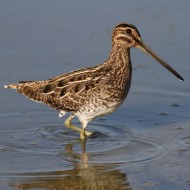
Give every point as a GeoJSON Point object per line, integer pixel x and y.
{"type": "Point", "coordinates": [143, 145]}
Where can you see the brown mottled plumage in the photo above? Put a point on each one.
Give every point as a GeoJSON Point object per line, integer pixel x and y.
{"type": "Point", "coordinates": [95, 91]}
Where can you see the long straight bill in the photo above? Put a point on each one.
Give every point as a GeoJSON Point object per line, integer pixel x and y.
{"type": "Point", "coordinates": [145, 48]}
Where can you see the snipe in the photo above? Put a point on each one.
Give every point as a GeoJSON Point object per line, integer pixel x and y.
{"type": "Point", "coordinates": [95, 91]}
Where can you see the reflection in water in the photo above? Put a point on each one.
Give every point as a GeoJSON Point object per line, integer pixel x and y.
{"type": "Point", "coordinates": [82, 176]}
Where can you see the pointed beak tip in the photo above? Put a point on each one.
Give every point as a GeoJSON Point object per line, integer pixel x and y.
{"type": "Point", "coordinates": [181, 79]}
{"type": "Point", "coordinates": [145, 48]}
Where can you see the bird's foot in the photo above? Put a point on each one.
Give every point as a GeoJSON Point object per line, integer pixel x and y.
{"type": "Point", "coordinates": [83, 133]}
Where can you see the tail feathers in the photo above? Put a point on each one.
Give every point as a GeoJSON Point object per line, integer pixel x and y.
{"type": "Point", "coordinates": [12, 86]}
{"type": "Point", "coordinates": [16, 86]}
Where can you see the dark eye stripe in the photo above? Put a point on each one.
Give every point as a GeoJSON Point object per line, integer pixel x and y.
{"type": "Point", "coordinates": [124, 39]}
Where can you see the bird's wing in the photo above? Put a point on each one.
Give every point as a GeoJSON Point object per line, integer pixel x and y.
{"type": "Point", "coordinates": [66, 92]}
{"type": "Point", "coordinates": [69, 91]}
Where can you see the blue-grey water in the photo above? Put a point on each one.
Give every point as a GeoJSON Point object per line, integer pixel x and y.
{"type": "Point", "coordinates": [144, 145]}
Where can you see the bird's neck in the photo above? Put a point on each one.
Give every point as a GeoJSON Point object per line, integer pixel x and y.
{"type": "Point", "coordinates": [119, 58]}
{"type": "Point", "coordinates": [120, 70]}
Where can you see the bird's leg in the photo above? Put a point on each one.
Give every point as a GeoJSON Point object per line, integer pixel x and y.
{"type": "Point", "coordinates": [70, 126]}
{"type": "Point", "coordinates": [84, 134]}
{"type": "Point", "coordinates": [82, 131]}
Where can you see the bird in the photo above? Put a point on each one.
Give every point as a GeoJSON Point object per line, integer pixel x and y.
{"type": "Point", "coordinates": [94, 91]}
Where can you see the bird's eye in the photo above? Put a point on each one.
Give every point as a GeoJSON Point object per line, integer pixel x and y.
{"type": "Point", "coordinates": [128, 31]}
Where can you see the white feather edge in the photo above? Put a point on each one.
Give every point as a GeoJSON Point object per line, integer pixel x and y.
{"type": "Point", "coordinates": [62, 113]}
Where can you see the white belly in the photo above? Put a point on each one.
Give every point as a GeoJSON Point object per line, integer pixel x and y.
{"type": "Point", "coordinates": [89, 113]}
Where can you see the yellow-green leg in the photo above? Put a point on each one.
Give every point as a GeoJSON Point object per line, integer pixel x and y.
{"type": "Point", "coordinates": [83, 133]}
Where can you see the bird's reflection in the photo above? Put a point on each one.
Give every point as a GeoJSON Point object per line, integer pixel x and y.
{"type": "Point", "coordinates": [84, 175]}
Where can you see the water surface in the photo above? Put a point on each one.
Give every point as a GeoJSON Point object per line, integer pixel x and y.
{"type": "Point", "coordinates": [144, 145]}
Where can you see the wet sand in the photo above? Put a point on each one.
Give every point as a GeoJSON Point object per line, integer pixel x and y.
{"type": "Point", "coordinates": [145, 144]}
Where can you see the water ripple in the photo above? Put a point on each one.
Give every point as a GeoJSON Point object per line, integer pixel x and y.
{"type": "Point", "coordinates": [114, 144]}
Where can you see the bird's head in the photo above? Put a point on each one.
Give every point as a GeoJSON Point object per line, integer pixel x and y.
{"type": "Point", "coordinates": [128, 36]}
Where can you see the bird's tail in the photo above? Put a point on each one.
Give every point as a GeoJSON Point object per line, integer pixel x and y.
{"type": "Point", "coordinates": [18, 85]}
{"type": "Point", "coordinates": [12, 86]}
